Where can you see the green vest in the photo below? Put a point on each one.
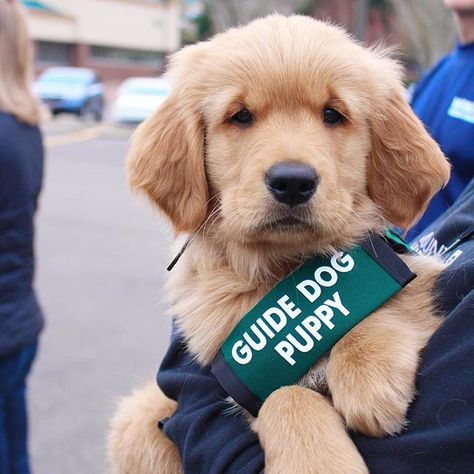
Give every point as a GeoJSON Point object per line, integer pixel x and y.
{"type": "Point", "coordinates": [304, 315]}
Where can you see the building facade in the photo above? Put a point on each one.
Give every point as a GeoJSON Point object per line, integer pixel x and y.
{"type": "Point", "coordinates": [116, 38]}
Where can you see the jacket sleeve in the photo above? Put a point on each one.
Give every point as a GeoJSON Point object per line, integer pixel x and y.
{"type": "Point", "coordinates": [211, 436]}
{"type": "Point", "coordinates": [213, 439]}
{"type": "Point", "coordinates": [439, 436]}
{"type": "Point", "coordinates": [440, 433]}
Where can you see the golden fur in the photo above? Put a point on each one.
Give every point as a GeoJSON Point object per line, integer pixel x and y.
{"type": "Point", "coordinates": [206, 174]}
{"type": "Point", "coordinates": [136, 434]}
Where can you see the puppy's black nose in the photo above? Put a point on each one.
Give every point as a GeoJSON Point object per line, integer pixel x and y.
{"type": "Point", "coordinates": [291, 183]}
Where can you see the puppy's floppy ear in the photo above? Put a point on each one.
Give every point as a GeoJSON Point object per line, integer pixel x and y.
{"type": "Point", "coordinates": [166, 159]}
{"type": "Point", "coordinates": [406, 167]}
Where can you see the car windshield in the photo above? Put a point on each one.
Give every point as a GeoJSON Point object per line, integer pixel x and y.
{"type": "Point", "coordinates": [146, 90]}
{"type": "Point", "coordinates": [70, 79]}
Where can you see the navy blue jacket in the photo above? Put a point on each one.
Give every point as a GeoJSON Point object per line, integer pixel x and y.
{"type": "Point", "coordinates": [440, 434]}
{"type": "Point", "coordinates": [21, 173]}
{"type": "Point", "coordinates": [444, 102]}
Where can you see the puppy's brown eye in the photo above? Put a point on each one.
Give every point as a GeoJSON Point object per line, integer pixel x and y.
{"type": "Point", "coordinates": [242, 117]}
{"type": "Point", "coordinates": [332, 116]}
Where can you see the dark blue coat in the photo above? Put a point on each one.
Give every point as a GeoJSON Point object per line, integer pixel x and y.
{"type": "Point", "coordinates": [440, 434]}
{"type": "Point", "coordinates": [21, 173]}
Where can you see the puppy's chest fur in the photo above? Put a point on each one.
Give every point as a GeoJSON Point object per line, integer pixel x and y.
{"type": "Point", "coordinates": [209, 304]}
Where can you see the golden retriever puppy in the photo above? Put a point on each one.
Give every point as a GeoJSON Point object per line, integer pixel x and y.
{"type": "Point", "coordinates": [287, 99]}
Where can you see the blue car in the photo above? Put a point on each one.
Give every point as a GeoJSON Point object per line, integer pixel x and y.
{"type": "Point", "coordinates": [72, 90]}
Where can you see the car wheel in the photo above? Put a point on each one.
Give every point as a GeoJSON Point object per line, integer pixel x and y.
{"type": "Point", "coordinates": [86, 112]}
{"type": "Point", "coordinates": [99, 110]}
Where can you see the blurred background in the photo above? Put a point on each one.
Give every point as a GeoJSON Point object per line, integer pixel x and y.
{"type": "Point", "coordinates": [101, 254]}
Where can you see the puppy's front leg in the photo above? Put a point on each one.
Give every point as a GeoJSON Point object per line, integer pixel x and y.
{"type": "Point", "coordinates": [301, 432]}
{"type": "Point", "coordinates": [371, 371]}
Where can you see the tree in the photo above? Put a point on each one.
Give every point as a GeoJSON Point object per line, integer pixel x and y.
{"type": "Point", "coordinates": [428, 26]}
{"type": "Point", "coordinates": [361, 18]}
{"type": "Point", "coordinates": [227, 13]}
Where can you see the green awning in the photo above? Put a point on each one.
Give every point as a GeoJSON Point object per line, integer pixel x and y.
{"type": "Point", "coordinates": [36, 5]}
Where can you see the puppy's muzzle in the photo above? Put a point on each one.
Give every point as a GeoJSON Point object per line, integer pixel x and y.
{"type": "Point", "coordinates": [291, 183]}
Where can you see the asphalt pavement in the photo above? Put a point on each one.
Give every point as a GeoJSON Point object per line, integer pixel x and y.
{"type": "Point", "coordinates": [101, 259]}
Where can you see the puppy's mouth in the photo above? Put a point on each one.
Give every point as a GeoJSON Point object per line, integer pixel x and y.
{"type": "Point", "coordinates": [287, 224]}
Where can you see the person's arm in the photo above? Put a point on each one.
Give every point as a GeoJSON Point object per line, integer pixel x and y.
{"type": "Point", "coordinates": [210, 435]}
{"type": "Point", "coordinates": [438, 438]}
{"type": "Point", "coordinates": [440, 433]}
{"type": "Point", "coordinates": [21, 163]}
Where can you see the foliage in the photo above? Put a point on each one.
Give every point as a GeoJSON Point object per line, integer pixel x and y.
{"type": "Point", "coordinates": [383, 5]}
{"type": "Point", "coordinates": [203, 25]}
{"type": "Point", "coordinates": [227, 13]}
{"type": "Point", "coordinates": [307, 7]}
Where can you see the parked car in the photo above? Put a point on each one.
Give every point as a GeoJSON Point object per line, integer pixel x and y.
{"type": "Point", "coordinates": [72, 90]}
{"type": "Point", "coordinates": [138, 97]}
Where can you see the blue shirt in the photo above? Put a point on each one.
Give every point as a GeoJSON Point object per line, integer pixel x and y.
{"type": "Point", "coordinates": [440, 434]}
{"type": "Point", "coordinates": [444, 102]}
{"type": "Point", "coordinates": [21, 174]}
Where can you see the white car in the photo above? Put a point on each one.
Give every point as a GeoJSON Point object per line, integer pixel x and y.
{"type": "Point", "coordinates": [138, 98]}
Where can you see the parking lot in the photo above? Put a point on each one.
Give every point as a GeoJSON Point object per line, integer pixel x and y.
{"type": "Point", "coordinates": [101, 258]}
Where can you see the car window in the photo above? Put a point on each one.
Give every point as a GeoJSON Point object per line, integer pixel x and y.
{"type": "Point", "coordinates": [58, 78]}
{"type": "Point", "coordinates": [143, 90]}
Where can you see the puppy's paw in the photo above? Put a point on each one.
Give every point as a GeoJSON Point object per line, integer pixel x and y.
{"type": "Point", "coordinates": [301, 432]}
{"type": "Point", "coordinates": [373, 399]}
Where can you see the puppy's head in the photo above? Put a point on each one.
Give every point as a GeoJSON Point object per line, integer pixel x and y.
{"type": "Point", "coordinates": [286, 132]}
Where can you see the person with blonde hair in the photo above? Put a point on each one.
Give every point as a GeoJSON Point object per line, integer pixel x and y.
{"type": "Point", "coordinates": [21, 172]}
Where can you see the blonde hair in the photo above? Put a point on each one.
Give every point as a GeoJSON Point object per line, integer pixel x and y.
{"type": "Point", "coordinates": [16, 96]}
